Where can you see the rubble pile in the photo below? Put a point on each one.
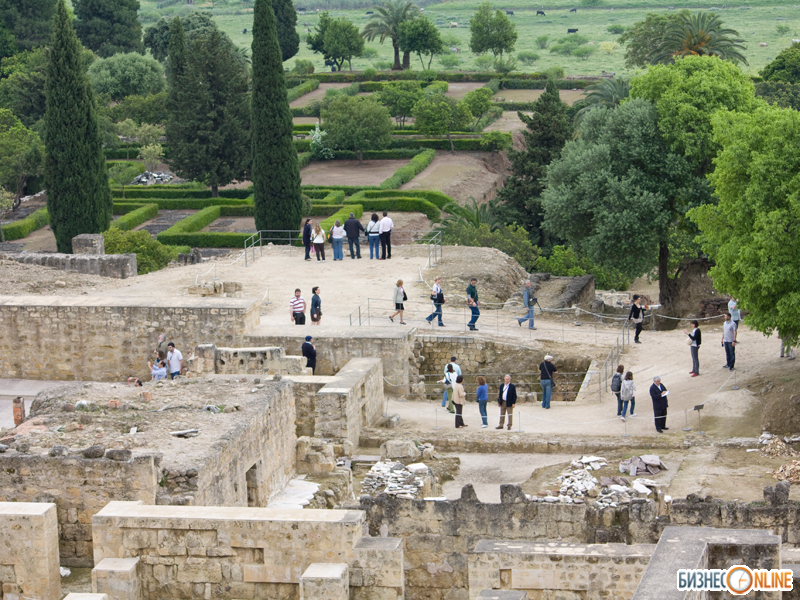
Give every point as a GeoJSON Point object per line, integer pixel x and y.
{"type": "Point", "coordinates": [148, 178]}
{"type": "Point", "coordinates": [395, 479]}
{"type": "Point", "coordinates": [789, 472]}
{"type": "Point", "coordinates": [777, 447]}
{"type": "Point", "coordinates": [642, 465]}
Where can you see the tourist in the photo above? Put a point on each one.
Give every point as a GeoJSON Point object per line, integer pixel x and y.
{"type": "Point", "coordinates": [385, 231]}
{"type": "Point", "coordinates": [307, 238]}
{"type": "Point", "coordinates": [316, 306]}
{"type": "Point", "coordinates": [174, 360]}
{"type": "Point", "coordinates": [528, 299]}
{"type": "Point", "coordinates": [736, 316]}
{"type": "Point", "coordinates": [161, 347]}
{"type": "Point", "coordinates": [472, 302]}
{"type": "Point", "coordinates": [297, 308]}
{"type": "Point", "coordinates": [482, 395]}
{"type": "Point", "coordinates": [658, 393]}
{"type": "Point", "coordinates": [352, 227]}
{"type": "Point", "coordinates": [637, 315]}
{"type": "Point", "coordinates": [507, 398]}
{"type": "Point", "coordinates": [694, 347]}
{"type": "Point", "coordinates": [729, 342]}
{"type": "Point", "coordinates": [449, 378]}
{"type": "Point", "coordinates": [456, 369]}
{"type": "Point", "coordinates": [628, 394]}
{"type": "Point", "coordinates": [459, 396]}
{"type": "Point", "coordinates": [310, 354]}
{"type": "Point", "coordinates": [135, 381]}
{"type": "Point", "coordinates": [546, 371]}
{"type": "Point", "coordinates": [337, 240]}
{"type": "Point", "coordinates": [374, 237]}
{"type": "Point", "coordinates": [437, 297]}
{"type": "Point", "coordinates": [616, 388]}
{"type": "Point", "coordinates": [319, 243]}
{"type": "Point", "coordinates": [158, 370]}
{"type": "Point", "coordinates": [399, 296]}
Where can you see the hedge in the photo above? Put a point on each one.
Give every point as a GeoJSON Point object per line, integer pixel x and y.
{"type": "Point", "coordinates": [151, 192]}
{"type": "Point", "coordinates": [347, 189]}
{"type": "Point", "coordinates": [192, 223]}
{"type": "Point", "coordinates": [301, 90]}
{"type": "Point", "coordinates": [516, 106]}
{"type": "Point", "coordinates": [207, 239]}
{"type": "Point", "coordinates": [194, 203]}
{"type": "Point", "coordinates": [24, 227]}
{"type": "Point", "coordinates": [435, 197]}
{"type": "Point", "coordinates": [309, 110]}
{"type": "Point", "coordinates": [342, 214]}
{"type": "Point", "coordinates": [393, 154]}
{"type": "Point", "coordinates": [471, 144]}
{"type": "Point", "coordinates": [130, 220]}
{"type": "Point", "coordinates": [450, 76]}
{"type": "Point", "coordinates": [303, 128]}
{"type": "Point", "coordinates": [407, 172]}
{"type": "Point", "coordinates": [539, 84]}
{"type": "Point", "coordinates": [418, 132]}
{"type": "Point", "coordinates": [402, 204]}
{"type": "Point", "coordinates": [303, 159]}
{"type": "Point", "coordinates": [302, 145]}
{"type": "Point", "coordinates": [244, 210]}
{"type": "Point", "coordinates": [324, 210]}
{"type": "Point", "coordinates": [493, 85]}
{"type": "Point", "coordinates": [331, 197]}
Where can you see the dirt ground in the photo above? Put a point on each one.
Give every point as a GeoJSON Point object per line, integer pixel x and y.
{"type": "Point", "coordinates": [508, 123]}
{"type": "Point", "coordinates": [568, 96]}
{"type": "Point", "coordinates": [349, 172]}
{"type": "Point", "coordinates": [317, 94]}
{"type": "Point", "coordinates": [305, 120]}
{"type": "Point", "coordinates": [461, 175]}
{"type": "Point", "coordinates": [459, 90]}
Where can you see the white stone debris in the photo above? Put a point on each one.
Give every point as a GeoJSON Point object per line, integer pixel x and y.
{"type": "Point", "coordinates": [395, 479]}
{"type": "Point", "coordinates": [647, 464]}
{"type": "Point", "coordinates": [65, 572]}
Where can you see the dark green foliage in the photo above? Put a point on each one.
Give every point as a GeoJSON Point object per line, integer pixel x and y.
{"type": "Point", "coordinates": [565, 262]}
{"type": "Point", "coordinates": [24, 227]}
{"type": "Point", "coordinates": [785, 67]}
{"type": "Point", "coordinates": [406, 173]}
{"type": "Point", "coordinates": [125, 75]}
{"type": "Point", "coordinates": [420, 37]}
{"type": "Point", "coordinates": [491, 33]}
{"type": "Point", "coordinates": [275, 171]}
{"type": "Point", "coordinates": [22, 86]}
{"type": "Point", "coordinates": [357, 124]}
{"type": "Point", "coordinates": [195, 222]}
{"type": "Point", "coordinates": [136, 217]}
{"type": "Point", "coordinates": [342, 215]}
{"type": "Point", "coordinates": [511, 239]}
{"type": "Point", "coordinates": [141, 109]}
{"type": "Point", "coordinates": [109, 26]}
{"type": "Point", "coordinates": [385, 23]}
{"type": "Point", "coordinates": [8, 45]}
{"type": "Point", "coordinates": [301, 90]}
{"type": "Point", "coordinates": [342, 42]}
{"type": "Point", "coordinates": [646, 35]}
{"type": "Point", "coordinates": [157, 37]}
{"type": "Point", "coordinates": [156, 195]}
{"type": "Point", "coordinates": [397, 153]}
{"type": "Point", "coordinates": [700, 34]}
{"type": "Point", "coordinates": [785, 95]}
{"type": "Point", "coordinates": [150, 254]}
{"type": "Point", "coordinates": [286, 25]}
{"type": "Point", "coordinates": [78, 196]}
{"type": "Point", "coordinates": [29, 21]}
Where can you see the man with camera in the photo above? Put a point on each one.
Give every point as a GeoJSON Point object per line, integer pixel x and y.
{"type": "Point", "coordinates": [528, 299]}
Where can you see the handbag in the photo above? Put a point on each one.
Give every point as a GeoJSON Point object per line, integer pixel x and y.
{"type": "Point", "coordinates": [404, 296]}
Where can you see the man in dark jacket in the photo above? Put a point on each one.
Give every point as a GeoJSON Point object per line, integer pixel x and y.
{"type": "Point", "coordinates": [307, 238]}
{"type": "Point", "coordinates": [658, 393]}
{"type": "Point", "coordinates": [352, 227]}
{"type": "Point", "coordinates": [310, 353]}
{"type": "Point", "coordinates": [507, 398]}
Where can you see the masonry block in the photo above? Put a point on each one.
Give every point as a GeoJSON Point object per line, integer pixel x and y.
{"type": "Point", "coordinates": [325, 581]}
{"type": "Point", "coordinates": [86, 597]}
{"type": "Point", "coordinates": [118, 578]}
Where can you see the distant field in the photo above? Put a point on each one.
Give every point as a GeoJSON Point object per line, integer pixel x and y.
{"type": "Point", "coordinates": [756, 22]}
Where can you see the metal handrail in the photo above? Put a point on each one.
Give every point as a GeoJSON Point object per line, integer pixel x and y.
{"type": "Point", "coordinates": [266, 236]}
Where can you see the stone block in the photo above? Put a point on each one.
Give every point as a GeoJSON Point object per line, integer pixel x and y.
{"type": "Point", "coordinates": [89, 243]}
{"type": "Point", "coordinates": [502, 595]}
{"type": "Point", "coordinates": [75, 596]}
{"type": "Point", "coordinates": [402, 450]}
{"type": "Point", "coordinates": [325, 581]}
{"type": "Point", "coordinates": [118, 578]}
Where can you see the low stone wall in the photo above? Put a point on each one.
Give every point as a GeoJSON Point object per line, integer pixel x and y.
{"type": "Point", "coordinates": [245, 361]}
{"type": "Point", "coordinates": [118, 266]}
{"type": "Point", "coordinates": [109, 339]}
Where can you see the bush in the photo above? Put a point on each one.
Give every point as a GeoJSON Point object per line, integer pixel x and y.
{"type": "Point", "coordinates": [505, 65]}
{"type": "Point", "coordinates": [302, 145]}
{"type": "Point", "coordinates": [347, 189]}
{"type": "Point", "coordinates": [484, 62]}
{"type": "Point", "coordinates": [542, 41]}
{"type": "Point", "coordinates": [494, 141]}
{"type": "Point", "coordinates": [493, 85]}
{"type": "Point", "coordinates": [396, 153]}
{"type": "Point", "coordinates": [449, 61]}
{"type": "Point", "coordinates": [24, 227]}
{"type": "Point", "coordinates": [304, 159]}
{"type": "Point", "coordinates": [609, 47]}
{"type": "Point", "coordinates": [527, 57]}
{"type": "Point", "coordinates": [584, 52]}
{"type": "Point", "coordinates": [372, 86]}
{"type": "Point", "coordinates": [426, 75]}
{"type": "Point", "coordinates": [554, 73]}
{"type": "Point", "coordinates": [408, 172]}
{"type": "Point", "coordinates": [151, 192]}
{"type": "Point", "coordinates": [511, 239]}
{"type": "Point", "coordinates": [494, 113]}
{"type": "Point", "coordinates": [309, 110]}
{"type": "Point", "coordinates": [369, 72]}
{"type": "Point", "coordinates": [151, 255]}
{"type": "Point", "coordinates": [383, 65]}
{"type": "Point", "coordinates": [303, 89]}
{"type": "Point", "coordinates": [616, 29]}
{"type": "Point", "coordinates": [303, 67]}
{"type": "Point", "coordinates": [437, 87]}
{"type": "Point", "coordinates": [123, 75]}
{"type": "Point", "coordinates": [566, 262]}
{"type": "Point", "coordinates": [131, 219]}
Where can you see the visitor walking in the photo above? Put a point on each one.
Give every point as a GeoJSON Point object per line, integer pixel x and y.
{"type": "Point", "coordinates": [399, 296]}
{"type": "Point", "coordinates": [352, 227]}
{"type": "Point", "coordinates": [628, 394]}
{"type": "Point", "coordinates": [437, 297]}
{"type": "Point", "coordinates": [528, 299]}
{"type": "Point", "coordinates": [472, 302]}
{"type": "Point", "coordinates": [456, 370]}
{"type": "Point", "coordinates": [307, 236]}
{"type": "Point", "coordinates": [546, 371]}
{"type": "Point", "coordinates": [459, 396]}
{"type": "Point", "coordinates": [337, 240]}
{"type": "Point", "coordinates": [174, 361]}
{"type": "Point", "coordinates": [319, 243]}
{"type": "Point", "coordinates": [482, 396]}
{"type": "Point", "coordinates": [450, 377]}
{"type": "Point", "coordinates": [694, 347]}
{"type": "Point", "coordinates": [316, 306]}
{"type": "Point", "coordinates": [507, 398]}
{"type": "Point", "coordinates": [310, 354]}
{"type": "Point", "coordinates": [659, 393]}
{"type": "Point", "coordinates": [385, 231]}
{"type": "Point", "coordinates": [374, 237]}
{"type": "Point", "coordinates": [637, 316]}
{"type": "Point", "coordinates": [297, 308]}
{"type": "Point", "coordinates": [616, 388]}
{"type": "Point", "coordinates": [729, 342]}
{"type": "Point", "coordinates": [736, 316]}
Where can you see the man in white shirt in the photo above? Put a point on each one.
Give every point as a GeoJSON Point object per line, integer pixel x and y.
{"type": "Point", "coordinates": [385, 232]}
{"type": "Point", "coordinates": [174, 361]}
{"type": "Point", "coordinates": [457, 371]}
{"type": "Point", "coordinates": [729, 342]}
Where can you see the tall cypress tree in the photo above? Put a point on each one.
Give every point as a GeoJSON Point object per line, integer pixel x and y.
{"type": "Point", "coordinates": [78, 195]}
{"type": "Point", "coordinates": [275, 174]}
{"type": "Point", "coordinates": [286, 24]}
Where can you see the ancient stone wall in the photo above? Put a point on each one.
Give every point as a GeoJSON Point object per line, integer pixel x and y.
{"type": "Point", "coordinates": [117, 266]}
{"type": "Point", "coordinates": [109, 339]}
{"type": "Point", "coordinates": [208, 359]}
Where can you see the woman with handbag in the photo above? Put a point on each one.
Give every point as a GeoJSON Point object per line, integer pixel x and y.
{"type": "Point", "coordinates": [637, 316]}
{"type": "Point", "coordinates": [449, 377]}
{"type": "Point", "coordinates": [459, 397]}
{"type": "Point", "coordinates": [374, 237]}
{"type": "Point", "coordinates": [319, 243]}
{"type": "Point", "coordinates": [437, 297]}
{"type": "Point", "coordinates": [399, 297]}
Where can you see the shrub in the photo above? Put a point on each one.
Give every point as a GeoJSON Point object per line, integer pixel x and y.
{"type": "Point", "coordinates": [244, 210]}
{"type": "Point", "coordinates": [302, 145]}
{"type": "Point", "coordinates": [484, 62]}
{"type": "Point", "coordinates": [152, 156]}
{"type": "Point", "coordinates": [208, 239]}
{"type": "Point", "coordinates": [435, 197]}
{"type": "Point", "coordinates": [449, 61]}
{"type": "Point", "coordinates": [383, 65]}
{"type": "Point", "coordinates": [542, 41]}
{"type": "Point", "coordinates": [303, 67]}
{"type": "Point", "coordinates": [554, 73]}
{"type": "Point", "coordinates": [24, 227]}
{"type": "Point", "coordinates": [511, 239]}
{"type": "Point", "coordinates": [566, 262]}
{"type": "Point", "coordinates": [304, 159]}
{"type": "Point", "coordinates": [303, 89]}
{"type": "Point", "coordinates": [494, 113]}
{"type": "Point", "coordinates": [505, 65]}
{"type": "Point", "coordinates": [494, 141]}
{"type": "Point", "coordinates": [527, 57]}
{"type": "Point", "coordinates": [609, 47]}
{"type": "Point", "coordinates": [437, 87]}
{"type": "Point", "coordinates": [151, 192]}
{"type": "Point", "coordinates": [406, 173]}
{"type": "Point", "coordinates": [309, 110]}
{"type": "Point", "coordinates": [131, 219]}
{"type": "Point", "coordinates": [319, 149]}
{"type": "Point", "coordinates": [426, 75]}
{"type": "Point", "coordinates": [372, 86]}
{"type": "Point", "coordinates": [616, 29]}
{"type": "Point", "coordinates": [584, 52]}
{"type": "Point", "coordinates": [151, 255]}
{"type": "Point", "coordinates": [195, 222]}
{"type": "Point", "coordinates": [493, 85]}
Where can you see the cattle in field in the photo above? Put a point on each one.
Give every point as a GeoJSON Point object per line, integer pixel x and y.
{"type": "Point", "coordinates": [763, 45]}
{"type": "Point", "coordinates": [454, 50]}
{"type": "Point", "coordinates": [369, 12]}
{"type": "Point", "coordinates": [510, 12]}
{"type": "Point", "coordinates": [244, 31]}
{"type": "Point", "coordinates": [540, 12]}
{"type": "Point", "coordinates": [572, 31]}
{"type": "Point", "coordinates": [573, 10]}
{"type": "Point", "coordinates": [453, 24]}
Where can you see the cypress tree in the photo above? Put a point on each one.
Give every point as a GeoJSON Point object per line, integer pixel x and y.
{"type": "Point", "coordinates": [275, 174]}
{"type": "Point", "coordinates": [286, 24]}
{"type": "Point", "coordinates": [78, 195]}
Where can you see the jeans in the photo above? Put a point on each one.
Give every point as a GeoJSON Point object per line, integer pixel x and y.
{"type": "Point", "coordinates": [354, 242]}
{"type": "Point", "coordinates": [633, 405]}
{"type": "Point", "coordinates": [386, 244]}
{"type": "Point", "coordinates": [730, 355]}
{"type": "Point", "coordinates": [547, 392]}
{"type": "Point", "coordinates": [444, 397]}
{"type": "Point", "coordinates": [337, 244]}
{"type": "Point", "coordinates": [437, 312]}
{"type": "Point", "coordinates": [527, 317]}
{"type": "Point", "coordinates": [319, 250]}
{"type": "Point", "coordinates": [475, 314]}
{"type": "Point", "coordinates": [695, 359]}
{"type": "Point", "coordinates": [622, 406]}
{"type": "Point", "coordinates": [482, 409]}
{"type": "Point", "coordinates": [374, 244]}
{"type": "Point", "coordinates": [308, 250]}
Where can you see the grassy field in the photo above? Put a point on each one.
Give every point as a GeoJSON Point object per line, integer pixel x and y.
{"type": "Point", "coordinates": [756, 22]}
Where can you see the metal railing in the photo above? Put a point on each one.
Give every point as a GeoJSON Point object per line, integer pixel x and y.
{"type": "Point", "coordinates": [434, 241]}
{"type": "Point", "coordinates": [612, 360]}
{"type": "Point", "coordinates": [268, 236]}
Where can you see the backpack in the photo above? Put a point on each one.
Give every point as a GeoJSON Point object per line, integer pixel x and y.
{"type": "Point", "coordinates": [616, 382]}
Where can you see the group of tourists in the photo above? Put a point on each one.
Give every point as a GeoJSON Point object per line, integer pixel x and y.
{"type": "Point", "coordinates": [399, 296]}
{"type": "Point", "coordinates": [378, 233]}
{"type": "Point", "coordinates": [297, 307]}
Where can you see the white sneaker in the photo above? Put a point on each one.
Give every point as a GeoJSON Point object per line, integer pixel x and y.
{"type": "Point", "coordinates": [634, 415]}
{"type": "Point", "coordinates": [623, 418]}
{"type": "Point", "coordinates": [484, 426]}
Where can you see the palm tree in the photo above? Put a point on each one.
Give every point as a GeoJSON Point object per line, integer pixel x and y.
{"type": "Point", "coordinates": [471, 216]}
{"type": "Point", "coordinates": [700, 35]}
{"type": "Point", "coordinates": [385, 22]}
{"type": "Point", "coordinates": [606, 92]}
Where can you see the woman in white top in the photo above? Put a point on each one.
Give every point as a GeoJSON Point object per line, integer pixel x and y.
{"type": "Point", "coordinates": [399, 296]}
{"type": "Point", "coordinates": [337, 240]}
{"type": "Point", "coordinates": [628, 393]}
{"type": "Point", "coordinates": [319, 243]}
{"type": "Point", "coordinates": [374, 236]}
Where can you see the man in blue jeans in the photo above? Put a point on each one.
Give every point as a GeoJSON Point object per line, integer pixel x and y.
{"type": "Point", "coordinates": [528, 299]}
{"type": "Point", "coordinates": [546, 371]}
{"type": "Point", "coordinates": [729, 342]}
{"type": "Point", "coordinates": [472, 301]}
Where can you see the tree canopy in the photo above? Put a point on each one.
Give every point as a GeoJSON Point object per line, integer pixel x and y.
{"type": "Point", "coordinates": [29, 21]}
{"type": "Point", "coordinates": [21, 153]}
{"type": "Point", "coordinates": [124, 75]}
{"type": "Point", "coordinates": [385, 23]}
{"type": "Point", "coordinates": [438, 115]}
{"type": "Point", "coordinates": [701, 34]}
{"type": "Point", "coordinates": [109, 26]}
{"type": "Point", "coordinates": [286, 23]}
{"type": "Point", "coordinates": [420, 37]}
{"type": "Point", "coordinates": [342, 42]}
{"type": "Point", "coordinates": [400, 97]}
{"type": "Point", "coordinates": [156, 37]}
{"type": "Point", "coordinates": [358, 124]}
{"type": "Point", "coordinates": [489, 32]}
{"type": "Point", "coordinates": [785, 67]}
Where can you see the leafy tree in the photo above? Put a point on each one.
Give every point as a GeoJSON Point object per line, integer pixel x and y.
{"type": "Point", "coordinates": [753, 233]}
{"type": "Point", "coordinates": [438, 115]}
{"type": "Point", "coordinates": [21, 154]}
{"type": "Point", "coordinates": [494, 141]}
{"type": "Point", "coordinates": [358, 124]}
{"type": "Point", "coordinates": [109, 26]}
{"type": "Point", "coordinates": [8, 45]}
{"type": "Point", "coordinates": [29, 21]}
{"type": "Point", "coordinates": [386, 22]}
{"type": "Point", "coordinates": [491, 33]}
{"type": "Point", "coordinates": [342, 42]}
{"type": "Point", "coordinates": [546, 132]}
{"type": "Point", "coordinates": [6, 202]}
{"type": "Point", "coordinates": [785, 67]}
{"type": "Point", "coordinates": [78, 195]}
{"type": "Point", "coordinates": [122, 173]}
{"type": "Point", "coordinates": [527, 58]}
{"type": "Point", "coordinates": [275, 173]}
{"type": "Point", "coordinates": [511, 239]}
{"type": "Point", "coordinates": [479, 102]}
{"type": "Point", "coordinates": [156, 37]}
{"type": "Point", "coordinates": [646, 35]}
{"type": "Point", "coordinates": [303, 67]}
{"type": "Point", "coordinates": [286, 24]}
{"type": "Point", "coordinates": [565, 262]}
{"type": "Point", "coordinates": [400, 97]}
{"type": "Point", "coordinates": [785, 95]}
{"type": "Point", "coordinates": [124, 75]}
{"type": "Point", "coordinates": [142, 109]}
{"type": "Point", "coordinates": [606, 92]}
{"type": "Point", "coordinates": [701, 34]}
{"type": "Point", "coordinates": [484, 63]}
{"type": "Point", "coordinates": [22, 85]}
{"type": "Point", "coordinates": [152, 155]}
{"type": "Point", "coordinates": [420, 37]}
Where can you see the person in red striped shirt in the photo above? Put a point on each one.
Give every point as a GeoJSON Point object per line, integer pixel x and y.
{"type": "Point", "coordinates": [297, 308]}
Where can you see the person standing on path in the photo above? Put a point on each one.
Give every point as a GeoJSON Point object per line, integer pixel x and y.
{"type": "Point", "coordinates": [459, 397]}
{"type": "Point", "coordinates": [316, 306]}
{"type": "Point", "coordinates": [546, 371]}
{"type": "Point", "coordinates": [457, 371]}
{"type": "Point", "coordinates": [528, 299]}
{"type": "Point", "coordinates": [353, 228]}
{"type": "Point", "coordinates": [658, 393]}
{"type": "Point", "coordinates": [307, 235]}
{"type": "Point", "coordinates": [637, 315]}
{"type": "Point", "coordinates": [297, 308]}
{"type": "Point", "coordinates": [472, 302]}
{"type": "Point", "coordinates": [729, 342]}
{"type": "Point", "coordinates": [319, 243]}
{"type": "Point", "coordinates": [174, 361]}
{"type": "Point", "coordinates": [437, 297]}
{"type": "Point", "coordinates": [616, 388]}
{"type": "Point", "coordinates": [628, 394]}
{"type": "Point", "coordinates": [385, 231]}
{"type": "Point", "coordinates": [507, 398]}
{"type": "Point", "coordinates": [399, 296]}
{"type": "Point", "coordinates": [162, 347]}
{"type": "Point", "coordinates": [450, 377]}
{"type": "Point", "coordinates": [482, 395]}
{"type": "Point", "coordinates": [736, 316]}
{"type": "Point", "coordinates": [694, 348]}
{"type": "Point", "coordinates": [310, 354]}
{"type": "Point", "coordinates": [374, 237]}
{"type": "Point", "coordinates": [337, 240]}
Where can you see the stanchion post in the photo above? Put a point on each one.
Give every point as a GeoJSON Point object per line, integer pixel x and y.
{"type": "Point", "coordinates": [626, 434]}
{"type": "Point", "coordinates": [686, 414]}
{"type": "Point", "coordinates": [734, 386]}
{"type": "Point", "coordinates": [436, 419]}
{"type": "Point", "coordinates": [519, 423]}
{"type": "Point", "coordinates": [698, 408]}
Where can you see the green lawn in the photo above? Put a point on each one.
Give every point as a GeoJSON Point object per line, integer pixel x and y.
{"type": "Point", "coordinates": [756, 22]}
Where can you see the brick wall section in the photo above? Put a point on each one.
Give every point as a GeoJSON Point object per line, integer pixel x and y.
{"type": "Point", "coordinates": [109, 339]}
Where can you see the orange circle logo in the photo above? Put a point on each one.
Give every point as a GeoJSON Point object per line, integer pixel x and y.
{"type": "Point", "coordinates": [739, 580]}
